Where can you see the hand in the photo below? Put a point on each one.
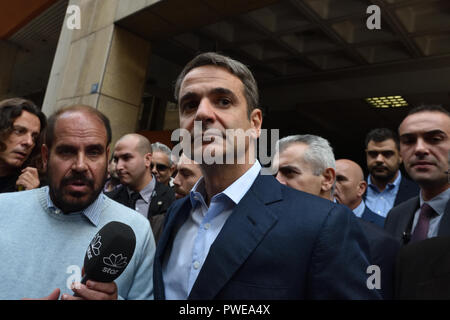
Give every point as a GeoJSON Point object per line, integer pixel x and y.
{"type": "Point", "coordinates": [93, 291]}
{"type": "Point", "coordinates": [53, 296]}
{"type": "Point", "coordinates": [29, 178]}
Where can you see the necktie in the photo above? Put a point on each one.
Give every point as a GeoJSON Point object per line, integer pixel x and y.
{"type": "Point", "coordinates": [422, 226]}
{"type": "Point", "coordinates": [135, 196]}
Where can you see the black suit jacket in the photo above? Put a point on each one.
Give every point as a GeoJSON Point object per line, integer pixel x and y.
{"type": "Point", "coordinates": [383, 253]}
{"type": "Point", "coordinates": [161, 200]}
{"type": "Point", "coordinates": [278, 243]}
{"type": "Point", "coordinates": [423, 270]}
{"type": "Point", "coordinates": [399, 220]}
{"type": "Point", "coordinates": [407, 190]}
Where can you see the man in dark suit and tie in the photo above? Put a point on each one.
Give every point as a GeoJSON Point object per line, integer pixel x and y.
{"type": "Point", "coordinates": [241, 234]}
{"type": "Point", "coordinates": [139, 190]}
{"type": "Point", "coordinates": [424, 147]}
{"type": "Point", "coordinates": [387, 187]}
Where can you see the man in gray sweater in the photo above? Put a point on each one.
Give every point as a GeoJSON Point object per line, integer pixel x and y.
{"type": "Point", "coordinates": [44, 233]}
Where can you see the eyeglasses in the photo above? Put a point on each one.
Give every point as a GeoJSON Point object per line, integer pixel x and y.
{"type": "Point", "coordinates": [159, 167]}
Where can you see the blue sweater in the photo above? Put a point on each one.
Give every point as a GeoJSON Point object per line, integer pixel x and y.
{"type": "Point", "coordinates": [41, 250]}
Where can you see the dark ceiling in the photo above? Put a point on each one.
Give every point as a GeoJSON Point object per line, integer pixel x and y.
{"type": "Point", "coordinates": [315, 60]}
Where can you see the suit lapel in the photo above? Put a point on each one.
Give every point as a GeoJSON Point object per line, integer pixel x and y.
{"type": "Point", "coordinates": [251, 220]}
{"type": "Point", "coordinates": [406, 220]}
{"type": "Point", "coordinates": [175, 218]}
{"type": "Point", "coordinates": [122, 196]}
{"type": "Point", "coordinates": [444, 226]}
{"type": "Point", "coordinates": [156, 200]}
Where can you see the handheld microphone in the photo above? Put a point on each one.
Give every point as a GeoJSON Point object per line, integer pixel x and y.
{"type": "Point", "coordinates": [109, 252]}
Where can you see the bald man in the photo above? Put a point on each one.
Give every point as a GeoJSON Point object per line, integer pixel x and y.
{"type": "Point", "coordinates": [350, 188]}
{"type": "Point", "coordinates": [140, 190]}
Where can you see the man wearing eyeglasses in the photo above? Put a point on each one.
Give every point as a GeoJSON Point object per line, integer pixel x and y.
{"type": "Point", "coordinates": [140, 189]}
{"type": "Point", "coordinates": [162, 166]}
{"type": "Point", "coordinates": [386, 187]}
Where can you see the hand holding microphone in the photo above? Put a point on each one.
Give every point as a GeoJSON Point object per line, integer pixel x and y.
{"type": "Point", "coordinates": [106, 258]}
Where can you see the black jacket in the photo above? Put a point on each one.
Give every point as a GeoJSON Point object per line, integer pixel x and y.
{"type": "Point", "coordinates": [161, 200]}
{"type": "Point", "coordinates": [422, 270]}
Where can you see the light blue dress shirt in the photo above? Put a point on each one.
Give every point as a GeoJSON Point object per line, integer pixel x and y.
{"type": "Point", "coordinates": [92, 212]}
{"type": "Point", "coordinates": [382, 202]}
{"type": "Point", "coordinates": [438, 204]}
{"type": "Point", "coordinates": [359, 210]}
{"type": "Point", "coordinates": [193, 240]}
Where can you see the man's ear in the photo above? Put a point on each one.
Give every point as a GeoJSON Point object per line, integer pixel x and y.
{"type": "Point", "coordinates": [362, 186]}
{"type": "Point", "coordinates": [44, 154]}
{"type": "Point", "coordinates": [148, 160]}
{"type": "Point", "coordinates": [256, 121]}
{"type": "Point", "coordinates": [329, 175]}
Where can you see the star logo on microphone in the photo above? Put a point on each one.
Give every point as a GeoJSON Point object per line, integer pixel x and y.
{"type": "Point", "coordinates": [115, 261]}
{"type": "Point", "coordinates": [96, 244]}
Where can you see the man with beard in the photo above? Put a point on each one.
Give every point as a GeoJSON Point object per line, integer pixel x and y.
{"type": "Point", "coordinates": [44, 232]}
{"type": "Point", "coordinates": [240, 234]}
{"type": "Point", "coordinates": [386, 185]}
{"type": "Point", "coordinates": [21, 123]}
{"type": "Point", "coordinates": [188, 173]}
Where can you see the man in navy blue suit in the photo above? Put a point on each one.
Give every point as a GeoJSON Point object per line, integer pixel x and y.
{"type": "Point", "coordinates": [350, 188]}
{"type": "Point", "coordinates": [306, 163]}
{"type": "Point", "coordinates": [240, 234]}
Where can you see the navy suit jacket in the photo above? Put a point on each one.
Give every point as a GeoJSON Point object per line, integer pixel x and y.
{"type": "Point", "coordinates": [383, 252]}
{"type": "Point", "coordinates": [370, 216]}
{"type": "Point", "coordinates": [278, 243]}
{"type": "Point", "coordinates": [423, 270]}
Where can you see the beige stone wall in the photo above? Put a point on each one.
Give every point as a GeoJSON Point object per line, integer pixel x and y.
{"type": "Point", "coordinates": [101, 64]}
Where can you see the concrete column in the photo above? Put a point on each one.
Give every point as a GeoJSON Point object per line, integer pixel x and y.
{"type": "Point", "coordinates": [8, 55]}
{"type": "Point", "coordinates": [100, 65]}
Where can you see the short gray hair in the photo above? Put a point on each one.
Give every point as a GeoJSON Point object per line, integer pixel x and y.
{"type": "Point", "coordinates": [319, 153]}
{"type": "Point", "coordinates": [161, 147]}
{"type": "Point", "coordinates": [234, 67]}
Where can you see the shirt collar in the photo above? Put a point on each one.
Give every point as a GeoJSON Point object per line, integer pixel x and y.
{"type": "Point", "coordinates": [359, 210]}
{"type": "Point", "coordinates": [392, 185]}
{"type": "Point", "coordinates": [438, 203]}
{"type": "Point", "coordinates": [235, 192]}
{"type": "Point", "coordinates": [92, 212]}
{"type": "Point", "coordinates": [147, 192]}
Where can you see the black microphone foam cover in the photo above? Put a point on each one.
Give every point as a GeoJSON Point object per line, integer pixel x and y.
{"type": "Point", "coordinates": [109, 252]}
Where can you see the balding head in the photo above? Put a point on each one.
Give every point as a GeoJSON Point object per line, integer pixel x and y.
{"type": "Point", "coordinates": [350, 184]}
{"type": "Point", "coordinates": [141, 143]}
{"type": "Point", "coordinates": [133, 156]}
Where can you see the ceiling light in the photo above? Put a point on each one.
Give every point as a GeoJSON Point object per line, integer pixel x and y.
{"type": "Point", "coordinates": [387, 102]}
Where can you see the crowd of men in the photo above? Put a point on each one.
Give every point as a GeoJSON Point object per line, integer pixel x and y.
{"type": "Point", "coordinates": [223, 230]}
